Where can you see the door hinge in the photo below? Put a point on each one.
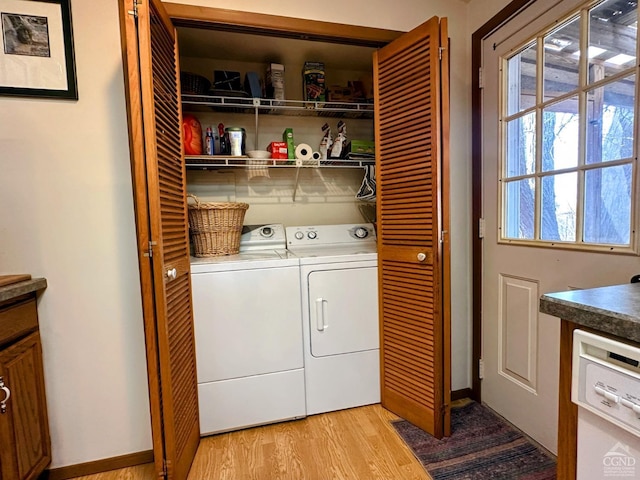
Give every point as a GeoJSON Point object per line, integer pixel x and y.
{"type": "Point", "coordinates": [134, 12]}
{"type": "Point", "coordinates": [440, 50]}
{"type": "Point", "coordinates": [442, 234]}
{"type": "Point", "coordinates": [149, 252]}
{"type": "Point", "coordinates": [480, 78]}
{"type": "Point", "coordinates": [481, 369]}
{"type": "Point", "coordinates": [163, 474]}
{"type": "Point", "coordinates": [481, 228]}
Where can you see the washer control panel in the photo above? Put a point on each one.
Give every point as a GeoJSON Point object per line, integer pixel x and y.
{"type": "Point", "coordinates": [327, 235]}
{"type": "Point", "coordinates": [262, 237]}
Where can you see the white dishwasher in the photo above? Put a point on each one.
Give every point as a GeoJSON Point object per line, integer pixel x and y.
{"type": "Point", "coordinates": [606, 388]}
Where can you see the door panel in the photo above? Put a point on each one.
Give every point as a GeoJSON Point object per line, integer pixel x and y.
{"type": "Point", "coordinates": [520, 346]}
{"type": "Point", "coordinates": [161, 221]}
{"type": "Point", "coordinates": [252, 333]}
{"type": "Point", "coordinates": [410, 109]}
{"type": "Point", "coordinates": [342, 320]}
{"type": "Point", "coordinates": [518, 329]}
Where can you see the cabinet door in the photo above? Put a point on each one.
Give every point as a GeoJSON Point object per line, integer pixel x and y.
{"type": "Point", "coordinates": [411, 77]}
{"type": "Point", "coordinates": [158, 171]}
{"type": "Point", "coordinates": [24, 430]}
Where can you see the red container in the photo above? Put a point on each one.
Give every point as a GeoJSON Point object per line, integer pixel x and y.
{"type": "Point", "coordinates": [278, 150]}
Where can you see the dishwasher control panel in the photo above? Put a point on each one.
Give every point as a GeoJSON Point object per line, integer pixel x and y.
{"type": "Point", "coordinates": [606, 379]}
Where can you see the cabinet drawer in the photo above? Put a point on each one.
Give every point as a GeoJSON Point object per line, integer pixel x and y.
{"type": "Point", "coordinates": [18, 320]}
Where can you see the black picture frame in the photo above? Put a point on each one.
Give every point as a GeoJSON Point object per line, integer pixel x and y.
{"type": "Point", "coordinates": [36, 49]}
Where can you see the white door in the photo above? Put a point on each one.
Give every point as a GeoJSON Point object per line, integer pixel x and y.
{"type": "Point", "coordinates": [559, 149]}
{"type": "Point", "coordinates": [343, 314]}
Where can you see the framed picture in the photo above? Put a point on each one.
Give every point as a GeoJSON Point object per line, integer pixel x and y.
{"type": "Point", "coordinates": [36, 49]}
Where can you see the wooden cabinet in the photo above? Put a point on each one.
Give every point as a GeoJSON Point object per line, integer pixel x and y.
{"type": "Point", "coordinates": [25, 447]}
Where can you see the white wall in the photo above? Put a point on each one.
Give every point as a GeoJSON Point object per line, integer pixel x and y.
{"type": "Point", "coordinates": [66, 214]}
{"type": "Point", "coordinates": [481, 11]}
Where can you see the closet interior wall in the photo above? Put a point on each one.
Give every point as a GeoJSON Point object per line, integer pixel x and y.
{"type": "Point", "coordinates": [324, 195]}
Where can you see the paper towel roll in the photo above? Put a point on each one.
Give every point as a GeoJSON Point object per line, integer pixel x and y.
{"type": "Point", "coordinates": [304, 152]}
{"type": "Point", "coordinates": [317, 155]}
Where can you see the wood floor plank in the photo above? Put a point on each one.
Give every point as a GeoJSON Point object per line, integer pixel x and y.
{"type": "Point", "coordinates": [355, 444]}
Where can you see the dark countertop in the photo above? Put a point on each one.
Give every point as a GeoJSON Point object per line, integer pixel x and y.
{"type": "Point", "coordinates": [614, 310]}
{"type": "Point", "coordinates": [20, 288]}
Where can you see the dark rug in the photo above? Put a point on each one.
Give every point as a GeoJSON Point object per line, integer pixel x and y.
{"type": "Point", "coordinates": [481, 446]}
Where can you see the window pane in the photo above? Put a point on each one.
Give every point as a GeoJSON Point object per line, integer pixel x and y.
{"type": "Point", "coordinates": [560, 128]}
{"type": "Point", "coordinates": [521, 146]}
{"type": "Point", "coordinates": [521, 80]}
{"type": "Point", "coordinates": [561, 59]}
{"type": "Point", "coordinates": [559, 207]}
{"type": "Point", "coordinates": [610, 117]}
{"type": "Point", "coordinates": [612, 38]}
{"type": "Point", "coordinates": [607, 205]}
{"type": "Point", "coordinates": [519, 209]}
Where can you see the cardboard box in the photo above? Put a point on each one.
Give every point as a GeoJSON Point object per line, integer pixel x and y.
{"type": "Point", "coordinates": [338, 93]}
{"type": "Point", "coordinates": [313, 82]}
{"type": "Point", "coordinates": [278, 150]}
{"type": "Point", "coordinates": [287, 137]}
{"type": "Point", "coordinates": [274, 81]}
{"type": "Point", "coordinates": [362, 146]}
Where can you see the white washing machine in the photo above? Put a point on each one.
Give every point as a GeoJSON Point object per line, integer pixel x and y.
{"type": "Point", "coordinates": [339, 281]}
{"type": "Point", "coordinates": [248, 334]}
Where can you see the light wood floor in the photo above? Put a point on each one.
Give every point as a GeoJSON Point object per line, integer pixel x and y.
{"type": "Point", "coordinates": [355, 444]}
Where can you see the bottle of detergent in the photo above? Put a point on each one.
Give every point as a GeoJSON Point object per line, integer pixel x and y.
{"type": "Point", "coordinates": [224, 149]}
{"type": "Point", "coordinates": [209, 144]}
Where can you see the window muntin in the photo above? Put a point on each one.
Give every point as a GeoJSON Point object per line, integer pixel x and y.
{"type": "Point", "coordinates": [608, 201]}
{"type": "Point", "coordinates": [610, 115]}
{"type": "Point", "coordinates": [569, 140]}
{"type": "Point", "coordinates": [522, 76]}
{"type": "Point", "coordinates": [560, 130]}
{"type": "Point", "coordinates": [520, 208]}
{"type": "Point", "coordinates": [561, 59]}
{"type": "Point", "coordinates": [521, 148]}
{"type": "Point", "coordinates": [613, 28]}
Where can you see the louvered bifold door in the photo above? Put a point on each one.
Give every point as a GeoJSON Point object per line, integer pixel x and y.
{"type": "Point", "coordinates": [409, 225]}
{"type": "Point", "coordinates": [163, 242]}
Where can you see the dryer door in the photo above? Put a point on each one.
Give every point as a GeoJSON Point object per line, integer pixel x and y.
{"type": "Point", "coordinates": [343, 310]}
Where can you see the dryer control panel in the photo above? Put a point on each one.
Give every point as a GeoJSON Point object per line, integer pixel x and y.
{"type": "Point", "coordinates": [330, 235]}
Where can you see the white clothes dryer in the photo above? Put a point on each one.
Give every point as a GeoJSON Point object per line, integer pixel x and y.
{"type": "Point", "coordinates": [339, 283]}
{"type": "Point", "coordinates": [248, 334]}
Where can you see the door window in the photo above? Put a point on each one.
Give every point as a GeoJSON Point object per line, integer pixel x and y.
{"type": "Point", "coordinates": [568, 128]}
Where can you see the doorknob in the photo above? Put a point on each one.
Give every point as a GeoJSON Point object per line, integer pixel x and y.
{"type": "Point", "coordinates": [3, 403]}
{"type": "Point", "coordinates": [172, 274]}
{"type": "Point", "coordinates": [422, 257]}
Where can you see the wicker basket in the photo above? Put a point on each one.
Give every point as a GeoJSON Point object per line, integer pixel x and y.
{"type": "Point", "coordinates": [192, 84]}
{"type": "Point", "coordinates": [215, 227]}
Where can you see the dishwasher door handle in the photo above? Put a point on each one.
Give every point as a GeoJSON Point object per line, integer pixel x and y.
{"type": "Point", "coordinates": [320, 314]}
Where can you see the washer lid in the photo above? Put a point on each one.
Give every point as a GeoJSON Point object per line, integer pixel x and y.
{"type": "Point", "coordinates": [244, 261]}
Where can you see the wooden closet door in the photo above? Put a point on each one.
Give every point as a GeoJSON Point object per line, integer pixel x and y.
{"type": "Point", "coordinates": [159, 176]}
{"type": "Point", "coordinates": [411, 112]}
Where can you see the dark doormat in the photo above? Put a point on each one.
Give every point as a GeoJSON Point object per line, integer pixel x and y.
{"type": "Point", "coordinates": [481, 446]}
